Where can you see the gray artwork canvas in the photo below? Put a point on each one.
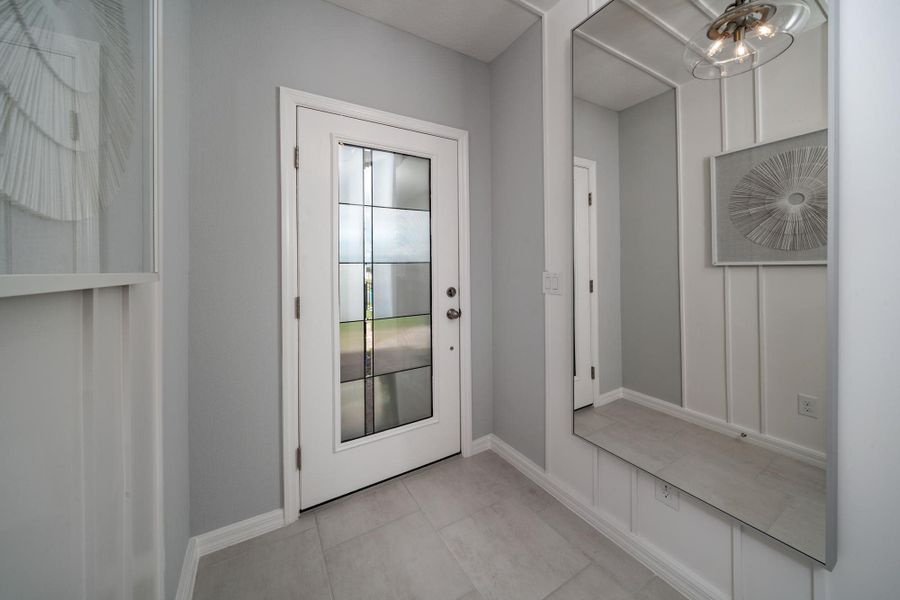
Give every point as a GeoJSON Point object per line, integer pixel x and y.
{"type": "Point", "coordinates": [770, 203]}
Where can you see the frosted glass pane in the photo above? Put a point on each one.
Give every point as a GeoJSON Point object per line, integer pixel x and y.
{"type": "Point", "coordinates": [402, 289]}
{"type": "Point", "coordinates": [401, 344]}
{"type": "Point", "coordinates": [353, 410]}
{"type": "Point", "coordinates": [350, 169]}
{"type": "Point", "coordinates": [352, 351]}
{"type": "Point", "coordinates": [402, 398]}
{"type": "Point", "coordinates": [401, 181]}
{"type": "Point", "coordinates": [351, 233]}
{"type": "Point", "coordinates": [353, 290]}
{"type": "Point", "coordinates": [401, 235]}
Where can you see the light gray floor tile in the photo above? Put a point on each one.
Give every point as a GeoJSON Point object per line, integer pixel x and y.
{"type": "Point", "coordinates": [716, 481]}
{"type": "Point", "coordinates": [802, 525]}
{"type": "Point", "coordinates": [593, 583]}
{"type": "Point", "coordinates": [510, 553]}
{"type": "Point", "coordinates": [289, 568]}
{"type": "Point", "coordinates": [304, 523]}
{"type": "Point", "coordinates": [362, 512]}
{"type": "Point", "coordinates": [794, 477]}
{"type": "Point", "coordinates": [589, 420]}
{"type": "Point", "coordinates": [649, 449]}
{"type": "Point", "coordinates": [457, 488]}
{"type": "Point", "coordinates": [403, 560]}
{"type": "Point", "coordinates": [623, 568]}
{"type": "Point", "coordinates": [658, 589]}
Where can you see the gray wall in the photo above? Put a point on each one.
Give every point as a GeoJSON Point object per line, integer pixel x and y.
{"type": "Point", "coordinates": [518, 245]}
{"type": "Point", "coordinates": [597, 139]}
{"type": "Point", "coordinates": [240, 52]}
{"type": "Point", "coordinates": [651, 325]}
{"type": "Point", "coordinates": [174, 278]}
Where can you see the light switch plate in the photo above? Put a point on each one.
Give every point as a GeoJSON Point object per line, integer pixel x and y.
{"type": "Point", "coordinates": [667, 494]}
{"type": "Point", "coordinates": [552, 284]}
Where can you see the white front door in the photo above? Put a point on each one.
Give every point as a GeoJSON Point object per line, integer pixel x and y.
{"type": "Point", "coordinates": [585, 371]}
{"type": "Point", "coordinates": [378, 258]}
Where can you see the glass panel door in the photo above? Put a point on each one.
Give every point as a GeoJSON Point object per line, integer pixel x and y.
{"type": "Point", "coordinates": [385, 290]}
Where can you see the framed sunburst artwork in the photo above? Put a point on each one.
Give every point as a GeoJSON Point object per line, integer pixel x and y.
{"type": "Point", "coordinates": [769, 203]}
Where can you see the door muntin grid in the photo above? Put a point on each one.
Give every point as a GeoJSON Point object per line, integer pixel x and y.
{"type": "Point", "coordinates": [385, 284]}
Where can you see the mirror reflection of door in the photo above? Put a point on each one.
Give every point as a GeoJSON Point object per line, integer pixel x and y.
{"type": "Point", "coordinates": [585, 249]}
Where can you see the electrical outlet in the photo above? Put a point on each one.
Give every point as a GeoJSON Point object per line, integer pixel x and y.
{"type": "Point", "coordinates": [808, 406]}
{"type": "Point", "coordinates": [667, 494]}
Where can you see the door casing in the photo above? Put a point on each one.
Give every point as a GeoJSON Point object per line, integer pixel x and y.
{"type": "Point", "coordinates": [594, 300]}
{"type": "Point", "coordinates": [289, 100]}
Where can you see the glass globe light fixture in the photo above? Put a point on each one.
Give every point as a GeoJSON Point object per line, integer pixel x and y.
{"type": "Point", "coordinates": [747, 35]}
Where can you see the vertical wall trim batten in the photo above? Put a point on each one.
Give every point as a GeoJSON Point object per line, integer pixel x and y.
{"type": "Point", "coordinates": [633, 516]}
{"type": "Point", "coordinates": [127, 446]}
{"type": "Point", "coordinates": [760, 270]}
{"type": "Point", "coordinates": [87, 392]}
{"type": "Point", "coordinates": [737, 561]}
{"type": "Point", "coordinates": [726, 271]}
{"type": "Point", "coordinates": [679, 190]}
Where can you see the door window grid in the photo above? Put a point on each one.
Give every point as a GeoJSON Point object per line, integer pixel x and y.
{"type": "Point", "coordinates": [386, 376]}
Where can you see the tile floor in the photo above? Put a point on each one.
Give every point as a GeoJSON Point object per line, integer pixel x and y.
{"type": "Point", "coordinates": [467, 529]}
{"type": "Point", "coordinates": [771, 492]}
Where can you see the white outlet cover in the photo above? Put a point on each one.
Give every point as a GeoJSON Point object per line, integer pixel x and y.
{"type": "Point", "coordinates": [667, 494]}
{"type": "Point", "coordinates": [808, 406]}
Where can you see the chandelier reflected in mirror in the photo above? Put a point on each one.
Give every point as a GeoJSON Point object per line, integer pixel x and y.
{"type": "Point", "coordinates": [747, 35]}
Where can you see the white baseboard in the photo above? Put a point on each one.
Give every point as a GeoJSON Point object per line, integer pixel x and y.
{"type": "Point", "coordinates": [241, 531]}
{"type": "Point", "coordinates": [683, 579]}
{"type": "Point", "coordinates": [219, 539]}
{"type": "Point", "coordinates": [796, 451]}
{"type": "Point", "coordinates": [607, 397]}
{"type": "Point", "coordinates": [481, 444]}
{"type": "Point", "coordinates": [188, 571]}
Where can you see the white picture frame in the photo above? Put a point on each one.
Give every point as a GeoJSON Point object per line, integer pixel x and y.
{"type": "Point", "coordinates": [729, 247]}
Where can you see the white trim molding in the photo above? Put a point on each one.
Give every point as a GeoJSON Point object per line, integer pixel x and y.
{"type": "Point", "coordinates": [607, 397]}
{"type": "Point", "coordinates": [188, 576]}
{"type": "Point", "coordinates": [809, 456]}
{"type": "Point", "coordinates": [289, 100]}
{"type": "Point", "coordinates": [219, 539]}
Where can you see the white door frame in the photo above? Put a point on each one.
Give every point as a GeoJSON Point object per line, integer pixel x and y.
{"type": "Point", "coordinates": [289, 101]}
{"type": "Point", "coordinates": [591, 167]}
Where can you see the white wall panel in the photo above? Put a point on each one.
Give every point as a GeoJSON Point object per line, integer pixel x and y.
{"type": "Point", "coordinates": [703, 291]}
{"type": "Point", "coordinates": [795, 352]}
{"type": "Point", "coordinates": [768, 572]}
{"type": "Point", "coordinates": [613, 496]}
{"type": "Point", "coordinates": [78, 446]}
{"type": "Point", "coordinates": [697, 536]}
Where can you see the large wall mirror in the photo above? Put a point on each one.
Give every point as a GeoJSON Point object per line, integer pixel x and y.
{"type": "Point", "coordinates": [76, 139]}
{"type": "Point", "coordinates": [701, 238]}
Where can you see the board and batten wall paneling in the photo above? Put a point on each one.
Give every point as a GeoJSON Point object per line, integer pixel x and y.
{"type": "Point", "coordinates": [733, 563]}
{"type": "Point", "coordinates": [78, 437]}
{"type": "Point", "coordinates": [754, 336]}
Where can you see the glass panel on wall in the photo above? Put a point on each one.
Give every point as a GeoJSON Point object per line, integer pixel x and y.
{"type": "Point", "coordinates": [76, 119]}
{"type": "Point", "coordinates": [385, 290]}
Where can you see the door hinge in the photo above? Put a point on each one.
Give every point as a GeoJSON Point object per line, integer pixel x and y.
{"type": "Point", "coordinates": [297, 307]}
{"type": "Point", "coordinates": [299, 461]}
{"type": "Point", "coordinates": [590, 198]}
{"type": "Point", "coordinates": [591, 286]}
{"type": "Point", "coordinates": [593, 373]}
{"type": "Point", "coordinates": [296, 157]}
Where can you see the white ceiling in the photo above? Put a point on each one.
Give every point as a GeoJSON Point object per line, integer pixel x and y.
{"type": "Point", "coordinates": [481, 29]}
{"type": "Point", "coordinates": [630, 38]}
